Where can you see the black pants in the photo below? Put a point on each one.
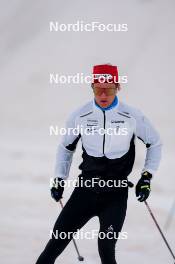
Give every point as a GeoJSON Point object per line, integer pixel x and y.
{"type": "Point", "coordinates": [84, 204]}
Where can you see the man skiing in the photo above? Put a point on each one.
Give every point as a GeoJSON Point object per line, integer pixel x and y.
{"type": "Point", "coordinates": [107, 157]}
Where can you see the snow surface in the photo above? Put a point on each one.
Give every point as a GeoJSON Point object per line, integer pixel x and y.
{"type": "Point", "coordinates": [29, 105]}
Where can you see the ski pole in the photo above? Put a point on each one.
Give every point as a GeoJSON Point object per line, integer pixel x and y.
{"type": "Point", "coordinates": [80, 258]}
{"type": "Point", "coordinates": [170, 216]}
{"type": "Point", "coordinates": [155, 221]}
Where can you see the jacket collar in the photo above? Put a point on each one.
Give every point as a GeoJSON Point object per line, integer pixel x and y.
{"type": "Point", "coordinates": [113, 107]}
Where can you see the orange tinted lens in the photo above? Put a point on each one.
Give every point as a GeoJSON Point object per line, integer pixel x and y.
{"type": "Point", "coordinates": [107, 91]}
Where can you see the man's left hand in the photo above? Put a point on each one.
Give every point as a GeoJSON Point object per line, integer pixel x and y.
{"type": "Point", "coordinates": [143, 188]}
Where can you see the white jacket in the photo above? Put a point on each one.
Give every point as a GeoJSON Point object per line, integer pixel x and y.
{"type": "Point", "coordinates": [111, 152]}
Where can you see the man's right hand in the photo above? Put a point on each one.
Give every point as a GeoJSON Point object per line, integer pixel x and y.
{"type": "Point", "coordinates": [57, 188]}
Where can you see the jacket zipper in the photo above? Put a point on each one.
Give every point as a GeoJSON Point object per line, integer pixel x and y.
{"type": "Point", "coordinates": [104, 131]}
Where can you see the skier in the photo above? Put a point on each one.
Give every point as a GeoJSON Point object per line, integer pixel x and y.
{"type": "Point", "coordinates": [107, 157]}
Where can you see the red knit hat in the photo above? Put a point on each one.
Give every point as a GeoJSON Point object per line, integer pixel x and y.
{"type": "Point", "coordinates": [105, 73]}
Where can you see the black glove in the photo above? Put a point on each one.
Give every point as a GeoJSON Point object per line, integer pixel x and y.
{"type": "Point", "coordinates": [143, 186]}
{"type": "Point", "coordinates": [57, 189]}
